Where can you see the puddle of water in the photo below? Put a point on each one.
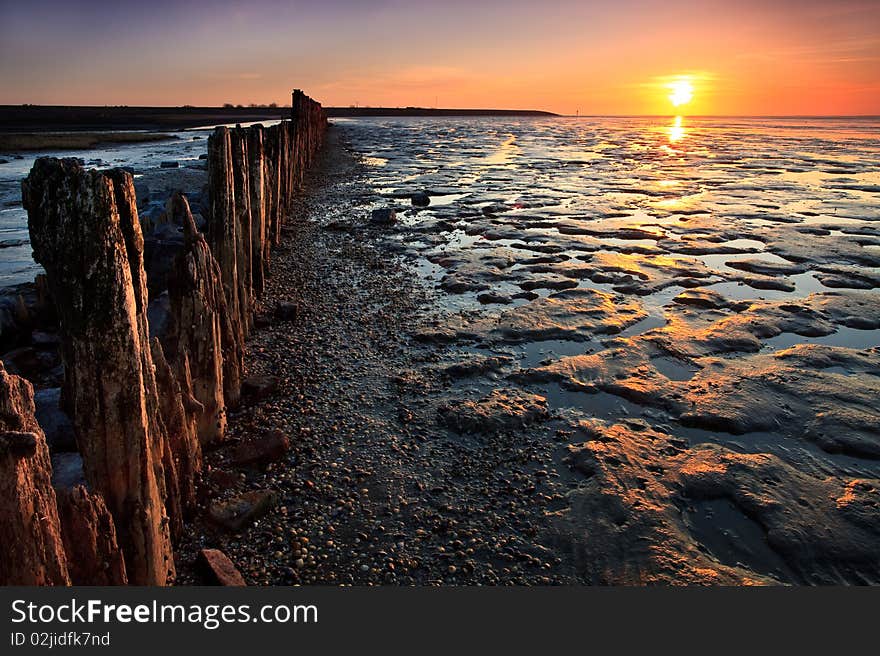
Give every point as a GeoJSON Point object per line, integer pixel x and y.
{"type": "Point", "coordinates": [844, 336]}
{"type": "Point", "coordinates": [598, 404]}
{"type": "Point", "coordinates": [718, 261]}
{"type": "Point", "coordinates": [807, 456]}
{"type": "Point", "coordinates": [648, 323]}
{"type": "Point", "coordinates": [674, 369]}
{"type": "Point", "coordinates": [735, 539]}
{"type": "Point", "coordinates": [441, 200]}
{"type": "Point", "coordinates": [744, 243]}
{"type": "Point", "coordinates": [536, 353]}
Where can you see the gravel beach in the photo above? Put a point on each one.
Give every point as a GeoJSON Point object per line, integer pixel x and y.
{"type": "Point", "coordinates": [372, 490]}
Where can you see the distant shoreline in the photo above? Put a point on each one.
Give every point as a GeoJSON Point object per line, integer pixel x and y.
{"type": "Point", "coordinates": [37, 119]}
{"type": "Point", "coordinates": [22, 119]}
{"type": "Point", "coordinates": [344, 112]}
{"type": "Point", "coordinates": [56, 118]}
{"type": "Point", "coordinates": [77, 140]}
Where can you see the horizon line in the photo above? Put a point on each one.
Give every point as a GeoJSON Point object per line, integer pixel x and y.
{"type": "Point", "coordinates": [451, 109]}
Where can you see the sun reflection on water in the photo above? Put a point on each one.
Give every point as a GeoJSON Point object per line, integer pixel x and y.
{"type": "Point", "coordinates": [676, 130]}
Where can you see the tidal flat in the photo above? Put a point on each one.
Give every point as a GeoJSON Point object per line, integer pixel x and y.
{"type": "Point", "coordinates": [598, 351]}
{"type": "Point", "coordinates": [548, 351]}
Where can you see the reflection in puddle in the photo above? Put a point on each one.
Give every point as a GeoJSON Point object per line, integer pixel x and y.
{"type": "Point", "coordinates": [648, 323]}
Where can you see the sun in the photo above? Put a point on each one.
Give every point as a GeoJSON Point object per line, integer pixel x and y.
{"type": "Point", "coordinates": [681, 91]}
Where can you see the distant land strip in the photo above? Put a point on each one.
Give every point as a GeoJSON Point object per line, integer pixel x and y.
{"type": "Point", "coordinates": [58, 118]}
{"type": "Point", "coordinates": [424, 111]}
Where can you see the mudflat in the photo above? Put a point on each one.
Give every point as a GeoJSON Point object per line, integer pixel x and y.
{"type": "Point", "coordinates": [564, 369]}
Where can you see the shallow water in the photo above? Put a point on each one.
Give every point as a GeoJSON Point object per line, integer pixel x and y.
{"type": "Point", "coordinates": [16, 262]}
{"type": "Point", "coordinates": [644, 196]}
{"type": "Point", "coordinates": [772, 222]}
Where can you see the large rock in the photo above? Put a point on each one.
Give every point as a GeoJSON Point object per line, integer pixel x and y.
{"type": "Point", "coordinates": [235, 513]}
{"type": "Point", "coordinates": [420, 199]}
{"type": "Point", "coordinates": [502, 410]}
{"type": "Point", "coordinates": [218, 569]}
{"type": "Point", "coordinates": [383, 216]}
{"type": "Point", "coordinates": [271, 447]}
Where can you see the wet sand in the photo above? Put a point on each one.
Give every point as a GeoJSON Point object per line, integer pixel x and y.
{"type": "Point", "coordinates": [563, 429]}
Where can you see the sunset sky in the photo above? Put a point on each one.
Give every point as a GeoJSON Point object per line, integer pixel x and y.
{"type": "Point", "coordinates": [740, 57]}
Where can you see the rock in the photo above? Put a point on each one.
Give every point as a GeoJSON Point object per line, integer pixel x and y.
{"type": "Point", "coordinates": [477, 365]}
{"type": "Point", "coordinates": [222, 479]}
{"type": "Point", "coordinates": [487, 298]}
{"type": "Point", "coordinates": [169, 165]}
{"type": "Point", "coordinates": [56, 424]}
{"type": "Point", "coordinates": [257, 388]}
{"type": "Point", "coordinates": [203, 156]}
{"type": "Point", "coordinates": [218, 569]}
{"type": "Point", "coordinates": [273, 446]}
{"type": "Point", "coordinates": [340, 226]}
{"type": "Point", "coordinates": [383, 216]}
{"type": "Point", "coordinates": [286, 311]}
{"type": "Point", "coordinates": [502, 410]}
{"type": "Point", "coordinates": [235, 513]}
{"type": "Point", "coordinates": [420, 199]}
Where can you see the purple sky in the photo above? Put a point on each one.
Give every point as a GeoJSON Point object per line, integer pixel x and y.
{"type": "Point", "coordinates": [742, 57]}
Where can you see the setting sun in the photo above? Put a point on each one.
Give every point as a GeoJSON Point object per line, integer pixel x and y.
{"type": "Point", "coordinates": [681, 92]}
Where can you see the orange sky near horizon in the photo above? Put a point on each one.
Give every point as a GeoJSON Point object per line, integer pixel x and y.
{"type": "Point", "coordinates": [741, 57]}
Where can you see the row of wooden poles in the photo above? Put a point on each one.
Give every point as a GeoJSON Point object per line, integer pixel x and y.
{"type": "Point", "coordinates": [142, 407]}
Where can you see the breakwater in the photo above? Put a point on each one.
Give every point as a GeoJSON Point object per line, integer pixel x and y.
{"type": "Point", "coordinates": [145, 390]}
